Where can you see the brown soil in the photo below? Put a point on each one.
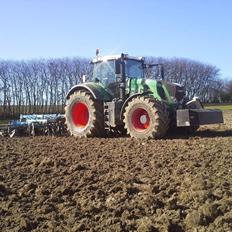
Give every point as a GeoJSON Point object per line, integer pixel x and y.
{"type": "Point", "coordinates": [118, 184]}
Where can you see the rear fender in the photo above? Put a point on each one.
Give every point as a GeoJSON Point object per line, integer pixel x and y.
{"type": "Point", "coordinates": [97, 91]}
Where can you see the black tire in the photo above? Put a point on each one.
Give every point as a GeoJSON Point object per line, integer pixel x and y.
{"type": "Point", "coordinates": [146, 117]}
{"type": "Point", "coordinates": [84, 115]}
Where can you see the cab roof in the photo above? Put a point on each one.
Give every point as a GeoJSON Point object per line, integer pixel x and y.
{"type": "Point", "coordinates": [115, 57]}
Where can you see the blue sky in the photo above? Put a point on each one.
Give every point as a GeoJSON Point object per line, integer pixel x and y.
{"type": "Point", "coordinates": [195, 29]}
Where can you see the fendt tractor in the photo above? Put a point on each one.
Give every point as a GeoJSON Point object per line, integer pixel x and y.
{"type": "Point", "coordinates": [120, 98]}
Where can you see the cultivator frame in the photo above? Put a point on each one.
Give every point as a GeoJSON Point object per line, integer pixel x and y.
{"type": "Point", "coordinates": [34, 124]}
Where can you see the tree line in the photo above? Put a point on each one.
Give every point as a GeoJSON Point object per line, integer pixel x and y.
{"type": "Point", "coordinates": [40, 86]}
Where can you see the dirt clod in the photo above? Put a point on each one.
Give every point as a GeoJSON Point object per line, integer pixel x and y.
{"type": "Point", "coordinates": [3, 190]}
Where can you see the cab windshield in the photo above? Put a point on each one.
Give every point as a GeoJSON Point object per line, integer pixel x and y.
{"type": "Point", "coordinates": [104, 72]}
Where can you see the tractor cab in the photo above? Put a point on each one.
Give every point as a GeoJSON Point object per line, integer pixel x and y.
{"type": "Point", "coordinates": [111, 71]}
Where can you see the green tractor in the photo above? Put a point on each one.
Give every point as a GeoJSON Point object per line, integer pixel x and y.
{"type": "Point", "coordinates": [120, 99]}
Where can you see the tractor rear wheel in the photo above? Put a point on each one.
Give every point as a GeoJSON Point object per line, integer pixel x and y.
{"type": "Point", "coordinates": [84, 115]}
{"type": "Point", "coordinates": [146, 117]}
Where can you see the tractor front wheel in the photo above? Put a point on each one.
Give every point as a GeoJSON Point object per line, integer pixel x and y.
{"type": "Point", "coordinates": [145, 117]}
{"type": "Point", "coordinates": [84, 115]}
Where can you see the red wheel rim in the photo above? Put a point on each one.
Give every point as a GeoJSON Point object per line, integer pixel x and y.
{"type": "Point", "coordinates": [140, 119]}
{"type": "Point", "coordinates": [80, 115]}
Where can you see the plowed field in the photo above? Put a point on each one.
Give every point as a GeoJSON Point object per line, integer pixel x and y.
{"type": "Point", "coordinates": [118, 184]}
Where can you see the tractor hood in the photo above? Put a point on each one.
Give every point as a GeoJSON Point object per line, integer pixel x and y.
{"type": "Point", "coordinates": [159, 89]}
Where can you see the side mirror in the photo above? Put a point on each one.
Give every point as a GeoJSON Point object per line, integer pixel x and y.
{"type": "Point", "coordinates": [159, 69]}
{"type": "Point", "coordinates": [161, 72]}
{"type": "Point", "coordinates": [84, 77]}
{"type": "Point", "coordinates": [117, 67]}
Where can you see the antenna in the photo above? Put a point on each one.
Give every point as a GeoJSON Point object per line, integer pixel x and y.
{"type": "Point", "coordinates": [97, 51]}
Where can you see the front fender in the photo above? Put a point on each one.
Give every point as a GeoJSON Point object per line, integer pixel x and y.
{"type": "Point", "coordinates": [129, 99]}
